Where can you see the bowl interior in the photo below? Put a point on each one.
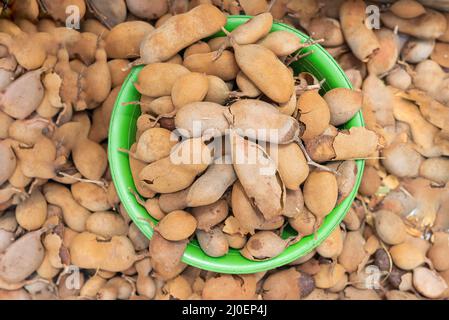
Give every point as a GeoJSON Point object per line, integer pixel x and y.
{"type": "Point", "coordinates": [122, 134]}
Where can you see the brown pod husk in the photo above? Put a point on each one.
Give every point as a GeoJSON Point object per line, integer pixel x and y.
{"type": "Point", "coordinates": [253, 7]}
{"type": "Point", "coordinates": [353, 251]}
{"type": "Point", "coordinates": [390, 227]}
{"type": "Point", "coordinates": [169, 202]}
{"type": "Point", "coordinates": [360, 39]}
{"type": "Point", "coordinates": [177, 225]}
{"type": "Point", "coordinates": [435, 169]}
{"type": "Point", "coordinates": [32, 213]}
{"type": "Point", "coordinates": [422, 131]}
{"type": "Point", "coordinates": [407, 255]}
{"type": "Point", "coordinates": [343, 104]}
{"type": "Point", "coordinates": [218, 91]}
{"type": "Point", "coordinates": [157, 79]}
{"type": "Point", "coordinates": [117, 69]}
{"type": "Point", "coordinates": [264, 245]}
{"type": "Point", "coordinates": [439, 251]}
{"type": "Point", "coordinates": [40, 161]}
{"type": "Point", "coordinates": [356, 143]}
{"type": "Point", "coordinates": [89, 25]}
{"type": "Point", "coordinates": [110, 13]}
{"type": "Point", "coordinates": [378, 97]}
{"type": "Point", "coordinates": [106, 224]}
{"type": "Point", "coordinates": [6, 77]}
{"type": "Point", "coordinates": [74, 215]}
{"type": "Point", "coordinates": [28, 49]}
{"type": "Point", "coordinates": [8, 160]}
{"type": "Point", "coordinates": [57, 8]}
{"type": "Point", "coordinates": [314, 113]}
{"type": "Point", "coordinates": [287, 284]}
{"type": "Point", "coordinates": [17, 105]}
{"type": "Point", "coordinates": [147, 9]}
{"type": "Point", "coordinates": [69, 91]}
{"type": "Point", "coordinates": [211, 186]}
{"type": "Point", "coordinates": [213, 243]}
{"type": "Point", "coordinates": [430, 25]}
{"type": "Point", "coordinates": [417, 50]}
{"type": "Point", "coordinates": [383, 60]}
{"type": "Point", "coordinates": [259, 179]}
{"type": "Point", "coordinates": [254, 29]}
{"type": "Point", "coordinates": [304, 222]}
{"type": "Point", "coordinates": [432, 110]}
{"type": "Point", "coordinates": [371, 181]}
{"type": "Point", "coordinates": [248, 217]}
{"type": "Point", "coordinates": [281, 43]}
{"type": "Point", "coordinates": [84, 49]}
{"type": "Point", "coordinates": [191, 87]}
{"type": "Point", "coordinates": [407, 9]}
{"type": "Point", "coordinates": [210, 215]}
{"type": "Point", "coordinates": [90, 159]}
{"type": "Point", "coordinates": [123, 41]}
{"type": "Point", "coordinates": [22, 257]}
{"type": "Point", "coordinates": [224, 67]}
{"type": "Point", "coordinates": [230, 287]}
{"type": "Point", "coordinates": [291, 163]}
{"type": "Point", "coordinates": [329, 275]}
{"type": "Point", "coordinates": [154, 144]}
{"type": "Point", "coordinates": [236, 240]}
{"type": "Point", "coordinates": [327, 29]}
{"type": "Point", "coordinates": [429, 283]}
{"type": "Point", "coordinates": [91, 196]}
{"type": "Point", "coordinates": [258, 120]}
{"type": "Point", "coordinates": [402, 160]}
{"type": "Point", "coordinates": [136, 167]}
{"type": "Point", "coordinates": [6, 238]}
{"type": "Point", "coordinates": [139, 240]}
{"type": "Point", "coordinates": [245, 85]}
{"type": "Point", "coordinates": [160, 45]}
{"type": "Point", "coordinates": [89, 252]}
{"type": "Point", "coordinates": [167, 176]}
{"type": "Point", "coordinates": [346, 177]}
{"type": "Point", "coordinates": [210, 115]}
{"type": "Point", "coordinates": [166, 256]}
{"type": "Point", "coordinates": [159, 106]}
{"type": "Point", "coordinates": [199, 47]}
{"type": "Point", "coordinates": [294, 203]}
{"type": "Point", "coordinates": [320, 193]}
{"type": "Point", "coordinates": [332, 246]}
{"type": "Point", "coordinates": [97, 78]}
{"type": "Point", "coordinates": [278, 86]}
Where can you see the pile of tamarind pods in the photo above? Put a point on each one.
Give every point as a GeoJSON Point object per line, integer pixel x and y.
{"type": "Point", "coordinates": [61, 218]}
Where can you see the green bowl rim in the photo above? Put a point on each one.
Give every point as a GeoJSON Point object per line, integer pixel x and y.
{"type": "Point", "coordinates": [233, 262]}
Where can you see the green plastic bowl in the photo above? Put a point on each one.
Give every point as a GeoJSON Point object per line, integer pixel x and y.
{"type": "Point", "coordinates": [122, 134]}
